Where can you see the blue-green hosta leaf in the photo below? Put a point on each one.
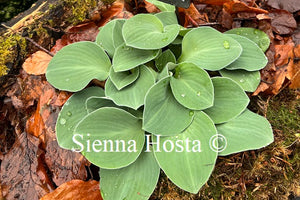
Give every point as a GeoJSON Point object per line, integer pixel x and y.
{"type": "Point", "coordinates": [257, 36]}
{"type": "Point", "coordinates": [209, 49]}
{"type": "Point", "coordinates": [192, 87]}
{"type": "Point", "coordinates": [125, 78]}
{"type": "Point", "coordinates": [163, 74]}
{"type": "Point", "coordinates": [127, 58]}
{"type": "Point", "coordinates": [134, 94]}
{"type": "Point", "coordinates": [75, 65]}
{"type": "Point", "coordinates": [230, 100]}
{"type": "Point", "coordinates": [110, 138]}
{"type": "Point", "coordinates": [117, 33]}
{"type": "Point", "coordinates": [149, 32]}
{"type": "Point", "coordinates": [105, 38]}
{"type": "Point", "coordinates": [134, 182]}
{"type": "Point", "coordinates": [164, 7]}
{"type": "Point", "coordinates": [167, 18]}
{"type": "Point", "coordinates": [163, 115]}
{"type": "Point", "coordinates": [249, 81]}
{"type": "Point", "coordinates": [71, 113]}
{"type": "Point", "coordinates": [252, 57]}
{"type": "Point", "coordinates": [191, 160]}
{"type": "Point", "coordinates": [93, 103]}
{"type": "Point", "coordinates": [164, 58]}
{"type": "Point", "coordinates": [246, 132]}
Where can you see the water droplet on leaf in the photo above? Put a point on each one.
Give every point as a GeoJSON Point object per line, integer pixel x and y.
{"type": "Point", "coordinates": [62, 121]}
{"type": "Point", "coordinates": [183, 95]}
{"type": "Point", "coordinates": [67, 79]}
{"type": "Point", "coordinates": [164, 39]}
{"type": "Point", "coordinates": [69, 113]}
{"type": "Point", "coordinates": [191, 113]}
{"type": "Point", "coordinates": [226, 44]}
{"type": "Point", "coordinates": [198, 94]}
{"type": "Point", "coordinates": [242, 80]}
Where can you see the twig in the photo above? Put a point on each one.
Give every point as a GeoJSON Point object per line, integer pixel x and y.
{"type": "Point", "coordinates": [39, 46]}
{"type": "Point", "coordinates": [30, 40]}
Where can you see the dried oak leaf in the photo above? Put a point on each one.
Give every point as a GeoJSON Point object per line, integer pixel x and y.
{"type": "Point", "coordinates": [37, 63]}
{"type": "Point", "coordinates": [26, 90]}
{"type": "Point", "coordinates": [287, 69]}
{"type": "Point", "coordinates": [238, 6]}
{"type": "Point", "coordinates": [76, 190]}
{"type": "Point", "coordinates": [151, 8]}
{"type": "Point", "coordinates": [64, 165]}
{"type": "Point", "coordinates": [22, 173]}
{"type": "Point", "coordinates": [294, 69]}
{"type": "Point", "coordinates": [192, 17]}
{"type": "Point", "coordinates": [289, 5]}
{"type": "Point", "coordinates": [212, 2]}
{"type": "Point", "coordinates": [81, 32]}
{"type": "Point", "coordinates": [110, 12]}
{"type": "Point", "coordinates": [282, 21]}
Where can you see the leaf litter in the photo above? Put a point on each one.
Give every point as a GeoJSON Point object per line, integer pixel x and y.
{"type": "Point", "coordinates": [30, 106]}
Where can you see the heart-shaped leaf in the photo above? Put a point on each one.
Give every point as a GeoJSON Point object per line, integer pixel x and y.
{"type": "Point", "coordinates": [230, 100]}
{"type": "Point", "coordinates": [167, 18]}
{"type": "Point", "coordinates": [75, 65]}
{"type": "Point", "coordinates": [209, 49]}
{"type": "Point", "coordinates": [187, 158]}
{"type": "Point", "coordinates": [125, 78]}
{"type": "Point", "coordinates": [252, 57]}
{"type": "Point", "coordinates": [249, 81]}
{"type": "Point", "coordinates": [133, 95]}
{"type": "Point", "coordinates": [94, 103]}
{"type": "Point", "coordinates": [117, 33]}
{"type": "Point", "coordinates": [246, 132]}
{"type": "Point", "coordinates": [136, 181]}
{"type": "Point", "coordinates": [164, 73]}
{"type": "Point", "coordinates": [71, 113]}
{"type": "Point", "coordinates": [162, 6]}
{"type": "Point", "coordinates": [192, 87]}
{"type": "Point", "coordinates": [164, 58]}
{"type": "Point", "coordinates": [149, 32]}
{"type": "Point", "coordinates": [108, 144]}
{"type": "Point", "coordinates": [105, 38]}
{"type": "Point", "coordinates": [257, 36]}
{"type": "Point", "coordinates": [163, 115]}
{"type": "Point", "coordinates": [127, 58]}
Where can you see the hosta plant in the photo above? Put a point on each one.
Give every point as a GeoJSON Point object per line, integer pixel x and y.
{"type": "Point", "coordinates": [174, 99]}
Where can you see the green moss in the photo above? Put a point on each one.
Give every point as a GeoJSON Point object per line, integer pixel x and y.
{"type": "Point", "coordinates": [80, 9]}
{"type": "Point", "coordinates": [284, 115]}
{"type": "Point", "coordinates": [8, 50]}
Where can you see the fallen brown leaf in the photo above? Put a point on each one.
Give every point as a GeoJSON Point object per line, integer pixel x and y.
{"type": "Point", "coordinates": [81, 32]}
{"type": "Point", "coordinates": [37, 63]}
{"type": "Point", "coordinates": [23, 175]}
{"type": "Point", "coordinates": [192, 17]}
{"type": "Point", "coordinates": [212, 2]}
{"type": "Point", "coordinates": [282, 21]}
{"type": "Point", "coordinates": [151, 8]}
{"type": "Point", "coordinates": [289, 5]}
{"type": "Point", "coordinates": [294, 69]}
{"type": "Point", "coordinates": [76, 190]}
{"type": "Point", "coordinates": [110, 12]}
{"type": "Point", "coordinates": [238, 6]}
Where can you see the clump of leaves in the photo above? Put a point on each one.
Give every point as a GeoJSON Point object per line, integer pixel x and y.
{"type": "Point", "coordinates": [161, 108]}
